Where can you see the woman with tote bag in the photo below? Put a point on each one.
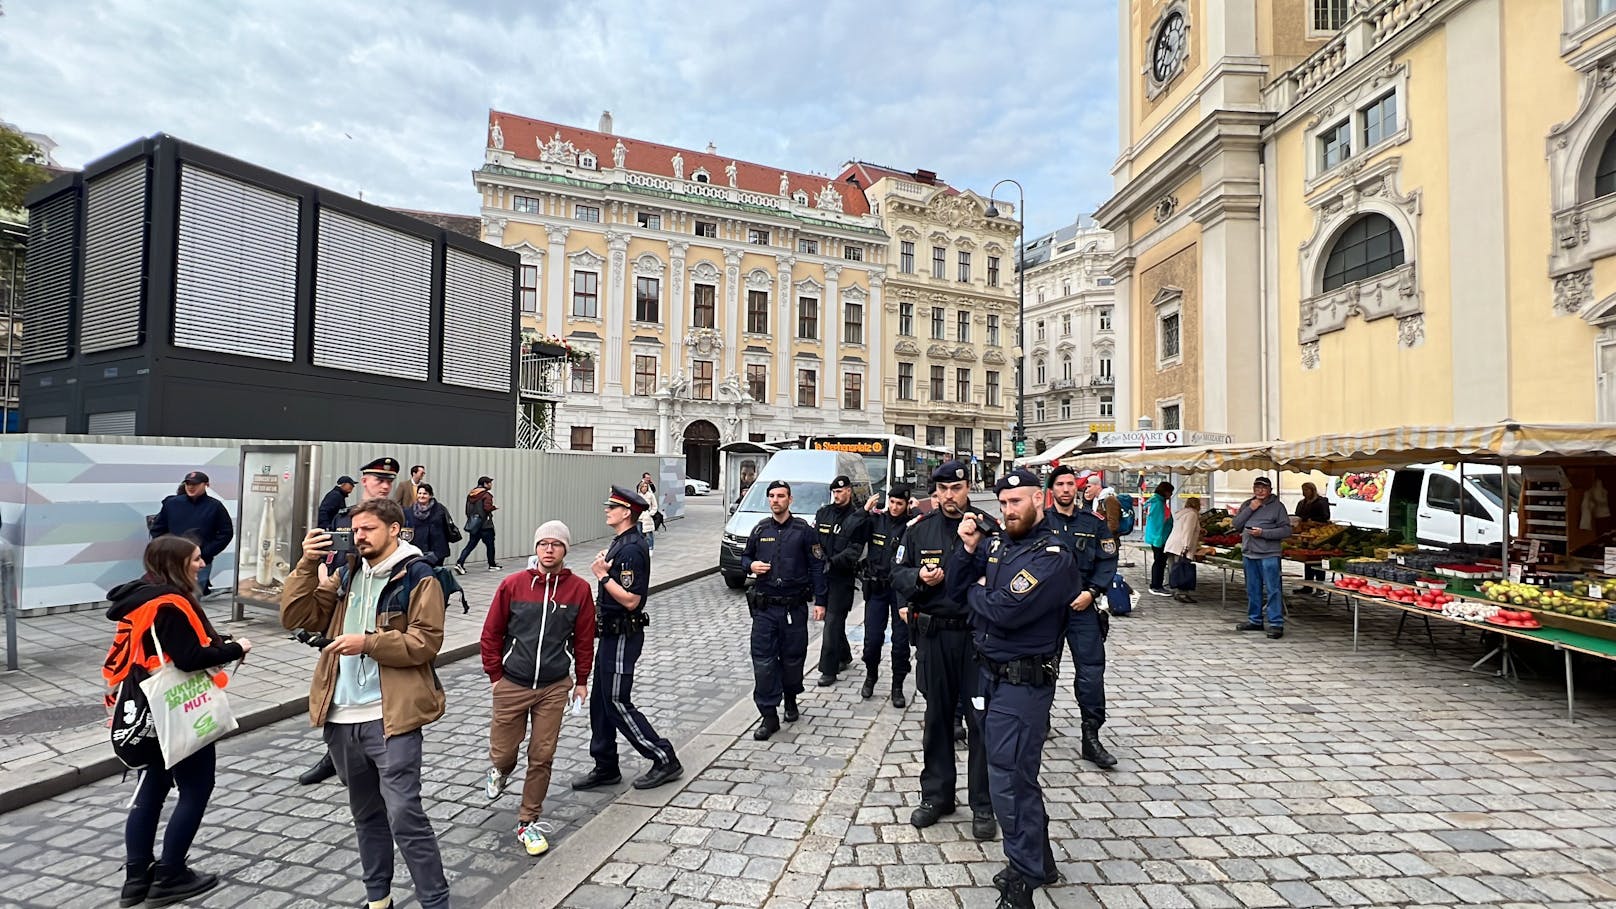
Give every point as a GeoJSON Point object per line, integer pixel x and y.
{"type": "Point", "coordinates": [184, 637]}
{"type": "Point", "coordinates": [1181, 546]}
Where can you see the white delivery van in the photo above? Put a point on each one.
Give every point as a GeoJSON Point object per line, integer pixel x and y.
{"type": "Point", "coordinates": [1427, 503]}
{"type": "Point", "coordinates": [810, 474]}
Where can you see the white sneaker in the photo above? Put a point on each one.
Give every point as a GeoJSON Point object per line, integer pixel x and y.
{"type": "Point", "coordinates": [531, 836]}
{"type": "Point", "coordinates": [494, 784]}
{"type": "Point", "coordinates": [459, 569]}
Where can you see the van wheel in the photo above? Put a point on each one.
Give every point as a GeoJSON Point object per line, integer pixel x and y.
{"type": "Point", "coordinates": [690, 490]}
{"type": "Point", "coordinates": [734, 581]}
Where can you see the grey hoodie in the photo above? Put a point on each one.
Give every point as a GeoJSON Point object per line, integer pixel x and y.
{"type": "Point", "coordinates": [1275, 524]}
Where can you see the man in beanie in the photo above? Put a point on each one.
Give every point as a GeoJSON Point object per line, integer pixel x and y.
{"type": "Point", "coordinates": [538, 646]}
{"type": "Point", "coordinates": [1262, 524]}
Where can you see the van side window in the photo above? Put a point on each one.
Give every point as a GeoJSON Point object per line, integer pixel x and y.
{"type": "Point", "coordinates": [1474, 509]}
{"type": "Point", "coordinates": [1443, 493]}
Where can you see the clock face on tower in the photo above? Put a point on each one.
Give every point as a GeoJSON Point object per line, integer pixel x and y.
{"type": "Point", "coordinates": [1169, 47]}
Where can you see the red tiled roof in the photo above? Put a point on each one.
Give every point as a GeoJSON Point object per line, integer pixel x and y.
{"type": "Point", "coordinates": [869, 174]}
{"type": "Point", "coordinates": [524, 135]}
{"type": "Point", "coordinates": [469, 225]}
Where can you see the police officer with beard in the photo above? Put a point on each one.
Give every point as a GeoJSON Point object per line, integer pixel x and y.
{"type": "Point", "coordinates": [843, 531]}
{"type": "Point", "coordinates": [886, 530]}
{"type": "Point", "coordinates": [942, 636]}
{"type": "Point", "coordinates": [1094, 547]}
{"type": "Point", "coordinates": [1018, 588]}
{"type": "Point", "coordinates": [784, 553]}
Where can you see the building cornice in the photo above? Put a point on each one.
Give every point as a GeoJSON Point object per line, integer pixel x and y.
{"type": "Point", "coordinates": [1225, 67]}
{"type": "Point", "coordinates": [1223, 131]}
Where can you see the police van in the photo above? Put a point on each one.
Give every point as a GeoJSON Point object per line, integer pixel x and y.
{"type": "Point", "coordinates": [810, 474]}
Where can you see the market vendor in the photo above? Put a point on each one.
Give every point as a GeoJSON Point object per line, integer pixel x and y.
{"type": "Point", "coordinates": [1314, 508]}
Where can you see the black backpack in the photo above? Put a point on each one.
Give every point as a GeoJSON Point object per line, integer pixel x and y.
{"type": "Point", "coordinates": [134, 735]}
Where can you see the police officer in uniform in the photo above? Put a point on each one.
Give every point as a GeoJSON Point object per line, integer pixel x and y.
{"type": "Point", "coordinates": [375, 482]}
{"type": "Point", "coordinates": [886, 530]}
{"type": "Point", "coordinates": [784, 553]}
{"type": "Point", "coordinates": [843, 530]}
{"type": "Point", "coordinates": [1094, 547]}
{"type": "Point", "coordinates": [624, 573]}
{"type": "Point", "coordinates": [1018, 586]}
{"type": "Point", "coordinates": [942, 637]}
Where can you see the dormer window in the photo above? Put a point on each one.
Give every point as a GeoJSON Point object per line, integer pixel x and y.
{"type": "Point", "coordinates": [701, 176]}
{"type": "Point", "coordinates": [587, 161]}
{"type": "Point", "coordinates": [799, 197]}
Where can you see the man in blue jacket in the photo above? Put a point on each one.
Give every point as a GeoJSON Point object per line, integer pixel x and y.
{"type": "Point", "coordinates": [199, 516]}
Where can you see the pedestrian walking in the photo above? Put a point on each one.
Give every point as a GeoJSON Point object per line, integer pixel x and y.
{"type": "Point", "coordinates": [1314, 508]}
{"type": "Point", "coordinates": [404, 489]}
{"type": "Point", "coordinates": [1182, 545]}
{"type": "Point", "coordinates": [880, 606]}
{"type": "Point", "coordinates": [1094, 553]}
{"type": "Point", "coordinates": [648, 517]}
{"type": "Point", "coordinates": [1263, 524]}
{"type": "Point", "coordinates": [336, 499]}
{"type": "Point", "coordinates": [624, 574]}
{"type": "Point", "coordinates": [428, 523]}
{"type": "Point", "coordinates": [784, 553]}
{"type": "Point", "coordinates": [538, 646]}
{"type": "Point", "coordinates": [167, 621]}
{"type": "Point", "coordinates": [374, 688]}
{"type": "Point", "coordinates": [1018, 586]}
{"type": "Point", "coordinates": [843, 531]}
{"type": "Point", "coordinates": [479, 528]}
{"type": "Point", "coordinates": [942, 636]}
{"type": "Point", "coordinates": [1158, 527]}
{"type": "Point", "coordinates": [193, 513]}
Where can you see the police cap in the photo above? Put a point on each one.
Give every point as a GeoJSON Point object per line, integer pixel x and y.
{"type": "Point", "coordinates": [1020, 478]}
{"type": "Point", "coordinates": [385, 468]}
{"type": "Point", "coordinates": [626, 498]}
{"type": "Point", "coordinates": [1061, 471]}
{"type": "Point", "coordinates": [841, 482]}
{"type": "Point", "coordinates": [950, 472]}
{"type": "Point", "coordinates": [900, 491]}
{"type": "Point", "coordinates": [778, 484]}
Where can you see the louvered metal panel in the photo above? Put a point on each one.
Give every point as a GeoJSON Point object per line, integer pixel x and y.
{"type": "Point", "coordinates": [236, 278]}
{"type": "Point", "coordinates": [111, 423]}
{"type": "Point", "coordinates": [372, 298]}
{"type": "Point", "coordinates": [114, 259]}
{"type": "Point", "coordinates": [47, 301]}
{"type": "Point", "coordinates": [478, 296]}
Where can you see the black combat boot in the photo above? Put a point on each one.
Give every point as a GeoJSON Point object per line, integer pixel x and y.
{"type": "Point", "coordinates": [791, 708]}
{"type": "Point", "coordinates": [1016, 893]}
{"type": "Point", "coordinates": [137, 881]}
{"type": "Point", "coordinates": [867, 690]}
{"type": "Point", "coordinates": [1094, 750]}
{"type": "Point", "coordinates": [898, 700]}
{"type": "Point", "coordinates": [767, 726]}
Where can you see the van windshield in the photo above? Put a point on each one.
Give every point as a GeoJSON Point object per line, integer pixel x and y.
{"type": "Point", "coordinates": [806, 497]}
{"type": "Point", "coordinates": [1491, 485]}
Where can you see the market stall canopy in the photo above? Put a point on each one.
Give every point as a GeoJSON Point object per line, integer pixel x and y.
{"type": "Point", "coordinates": [1492, 443]}
{"type": "Point", "coordinates": [1055, 452]}
{"type": "Point", "coordinates": [1186, 460]}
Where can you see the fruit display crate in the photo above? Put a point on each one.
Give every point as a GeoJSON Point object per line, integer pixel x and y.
{"type": "Point", "coordinates": [1598, 628]}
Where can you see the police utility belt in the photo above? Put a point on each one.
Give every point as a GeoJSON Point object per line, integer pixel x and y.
{"type": "Point", "coordinates": [931, 625]}
{"type": "Point", "coordinates": [1032, 671]}
{"type": "Point", "coordinates": [627, 623]}
{"type": "Point", "coordinates": [757, 599]}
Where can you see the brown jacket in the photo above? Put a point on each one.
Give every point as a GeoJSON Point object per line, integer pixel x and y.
{"type": "Point", "coordinates": [1110, 509]}
{"type": "Point", "coordinates": [404, 645]}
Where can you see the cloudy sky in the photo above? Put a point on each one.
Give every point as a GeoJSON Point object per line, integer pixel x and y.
{"type": "Point", "coordinates": [391, 99]}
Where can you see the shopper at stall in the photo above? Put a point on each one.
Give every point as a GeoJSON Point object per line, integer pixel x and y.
{"type": "Point", "coordinates": [1158, 526]}
{"type": "Point", "coordinates": [1315, 508]}
{"type": "Point", "coordinates": [1181, 546]}
{"type": "Point", "coordinates": [1263, 524]}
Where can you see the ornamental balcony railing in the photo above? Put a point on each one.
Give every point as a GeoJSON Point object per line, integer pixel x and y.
{"type": "Point", "coordinates": [544, 377]}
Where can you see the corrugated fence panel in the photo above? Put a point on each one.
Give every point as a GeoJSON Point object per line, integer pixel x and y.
{"type": "Point", "coordinates": [236, 278]}
{"type": "Point", "coordinates": [368, 276]}
{"type": "Point", "coordinates": [48, 293]}
{"type": "Point", "coordinates": [114, 259]}
{"type": "Point", "coordinates": [478, 299]}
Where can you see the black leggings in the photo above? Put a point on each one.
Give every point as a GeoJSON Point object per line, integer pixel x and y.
{"type": "Point", "coordinates": [193, 777]}
{"type": "Point", "coordinates": [484, 536]}
{"type": "Point", "coordinates": [1158, 567]}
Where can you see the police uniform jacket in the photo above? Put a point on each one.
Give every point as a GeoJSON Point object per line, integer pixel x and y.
{"type": "Point", "coordinates": [843, 531]}
{"type": "Point", "coordinates": [1022, 609]}
{"type": "Point", "coordinates": [1093, 545]}
{"type": "Point", "coordinates": [886, 533]}
{"type": "Point", "coordinates": [630, 558]}
{"type": "Point", "coordinates": [795, 556]}
{"type": "Point", "coordinates": [928, 543]}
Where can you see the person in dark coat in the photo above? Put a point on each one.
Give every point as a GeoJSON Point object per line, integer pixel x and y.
{"type": "Point", "coordinates": [334, 502]}
{"type": "Point", "coordinates": [429, 521]}
{"type": "Point", "coordinates": [1316, 508]}
{"type": "Point", "coordinates": [194, 514]}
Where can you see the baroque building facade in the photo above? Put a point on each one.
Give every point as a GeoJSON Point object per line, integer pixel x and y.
{"type": "Point", "coordinates": [719, 300]}
{"type": "Point", "coordinates": [1337, 216]}
{"type": "Point", "coordinates": [1073, 349]}
{"type": "Point", "coordinates": [950, 313]}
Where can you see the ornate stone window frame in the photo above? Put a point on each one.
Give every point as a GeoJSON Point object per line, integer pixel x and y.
{"type": "Point", "coordinates": [1365, 190]}
{"type": "Point", "coordinates": [1153, 88]}
{"type": "Point", "coordinates": [1349, 105]}
{"type": "Point", "coordinates": [1169, 301]}
{"type": "Point", "coordinates": [590, 261]}
{"type": "Point", "coordinates": [1581, 24]}
{"type": "Point", "coordinates": [856, 296]}
{"type": "Point", "coordinates": [1583, 227]}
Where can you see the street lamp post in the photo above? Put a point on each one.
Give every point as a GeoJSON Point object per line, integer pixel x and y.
{"type": "Point", "coordinates": [1019, 437]}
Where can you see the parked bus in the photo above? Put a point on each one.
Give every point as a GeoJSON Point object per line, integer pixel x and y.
{"type": "Point", "coordinates": [891, 459]}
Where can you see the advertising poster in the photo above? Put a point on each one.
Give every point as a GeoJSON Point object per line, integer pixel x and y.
{"type": "Point", "coordinates": [273, 519]}
{"type": "Point", "coordinates": [671, 487]}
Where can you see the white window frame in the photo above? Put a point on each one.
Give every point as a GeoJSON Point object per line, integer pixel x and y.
{"type": "Point", "coordinates": [1351, 104]}
{"type": "Point", "coordinates": [1161, 411]}
{"type": "Point", "coordinates": [1313, 31]}
{"type": "Point", "coordinates": [1169, 303]}
{"type": "Point", "coordinates": [578, 210]}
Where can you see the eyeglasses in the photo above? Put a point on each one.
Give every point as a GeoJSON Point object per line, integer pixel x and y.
{"type": "Point", "coordinates": [551, 544]}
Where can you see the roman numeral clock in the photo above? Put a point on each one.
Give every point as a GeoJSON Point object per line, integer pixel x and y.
{"type": "Point", "coordinates": [1166, 49]}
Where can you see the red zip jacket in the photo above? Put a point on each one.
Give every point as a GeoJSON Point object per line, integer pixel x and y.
{"type": "Point", "coordinates": [538, 627]}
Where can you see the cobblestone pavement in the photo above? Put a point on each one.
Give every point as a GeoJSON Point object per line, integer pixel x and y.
{"type": "Point", "coordinates": [1254, 773]}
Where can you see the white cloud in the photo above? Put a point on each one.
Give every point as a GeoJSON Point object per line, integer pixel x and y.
{"type": "Point", "coordinates": [973, 90]}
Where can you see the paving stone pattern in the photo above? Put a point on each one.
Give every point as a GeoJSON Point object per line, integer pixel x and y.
{"type": "Point", "coordinates": [280, 844]}
{"type": "Point", "coordinates": [1254, 773]}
